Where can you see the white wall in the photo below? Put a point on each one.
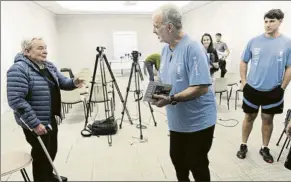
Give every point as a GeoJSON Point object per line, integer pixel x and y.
{"type": "Point", "coordinates": [19, 20]}
{"type": "Point", "coordinates": [238, 21]}
{"type": "Point", "coordinates": [79, 35]}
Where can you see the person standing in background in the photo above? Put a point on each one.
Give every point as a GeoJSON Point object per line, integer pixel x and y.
{"type": "Point", "coordinates": [223, 53]}
{"type": "Point", "coordinates": [151, 61]}
{"type": "Point", "coordinates": [206, 40]}
{"type": "Point", "coordinates": [269, 55]}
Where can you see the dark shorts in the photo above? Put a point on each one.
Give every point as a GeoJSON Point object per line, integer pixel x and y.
{"type": "Point", "coordinates": [272, 102]}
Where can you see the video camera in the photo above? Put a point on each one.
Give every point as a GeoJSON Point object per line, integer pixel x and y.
{"type": "Point", "coordinates": [135, 55]}
{"type": "Point", "coordinates": [100, 49]}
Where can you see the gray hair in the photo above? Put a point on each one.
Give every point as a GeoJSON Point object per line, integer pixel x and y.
{"type": "Point", "coordinates": [171, 14]}
{"type": "Point", "coordinates": [26, 44]}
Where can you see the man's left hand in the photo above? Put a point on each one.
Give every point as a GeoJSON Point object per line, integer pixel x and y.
{"type": "Point", "coordinates": [161, 100]}
{"type": "Point", "coordinates": [78, 82]}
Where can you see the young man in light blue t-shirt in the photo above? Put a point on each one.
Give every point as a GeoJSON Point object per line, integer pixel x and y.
{"type": "Point", "coordinates": [269, 55]}
{"type": "Point", "coordinates": [191, 106]}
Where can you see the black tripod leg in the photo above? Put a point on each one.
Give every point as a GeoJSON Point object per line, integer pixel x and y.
{"type": "Point", "coordinates": [88, 106]}
{"type": "Point", "coordinates": [137, 88]}
{"type": "Point", "coordinates": [139, 71]}
{"type": "Point", "coordinates": [24, 175]}
{"type": "Point", "coordinates": [126, 96]}
{"type": "Point", "coordinates": [152, 112]}
{"type": "Point", "coordinates": [113, 96]}
{"type": "Point", "coordinates": [118, 90]}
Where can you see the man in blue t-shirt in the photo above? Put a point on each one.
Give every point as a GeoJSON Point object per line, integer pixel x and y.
{"type": "Point", "coordinates": [191, 106]}
{"type": "Point", "coordinates": [269, 55]}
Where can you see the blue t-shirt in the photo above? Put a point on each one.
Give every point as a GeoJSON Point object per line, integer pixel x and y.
{"type": "Point", "coordinates": [269, 57]}
{"type": "Point", "coordinates": [187, 65]}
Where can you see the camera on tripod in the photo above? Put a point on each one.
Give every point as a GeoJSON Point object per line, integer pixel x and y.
{"type": "Point", "coordinates": [135, 55]}
{"type": "Point", "coordinates": [100, 49]}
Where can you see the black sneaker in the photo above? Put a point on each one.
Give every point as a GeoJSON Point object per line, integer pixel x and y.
{"type": "Point", "coordinates": [242, 151]}
{"type": "Point", "coordinates": [265, 152]}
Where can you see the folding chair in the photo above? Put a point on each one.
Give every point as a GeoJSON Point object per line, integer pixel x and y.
{"type": "Point", "coordinates": [287, 140]}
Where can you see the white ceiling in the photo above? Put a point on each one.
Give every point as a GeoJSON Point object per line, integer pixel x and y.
{"type": "Point", "coordinates": [113, 7]}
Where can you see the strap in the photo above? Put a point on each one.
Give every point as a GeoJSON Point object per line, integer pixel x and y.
{"type": "Point", "coordinates": [86, 135]}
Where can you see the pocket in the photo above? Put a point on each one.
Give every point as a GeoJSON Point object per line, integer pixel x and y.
{"type": "Point", "coordinates": [244, 87]}
{"type": "Point", "coordinates": [282, 91]}
{"type": "Point", "coordinates": [277, 93]}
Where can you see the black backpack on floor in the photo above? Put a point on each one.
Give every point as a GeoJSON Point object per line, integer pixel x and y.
{"type": "Point", "coordinates": [102, 127]}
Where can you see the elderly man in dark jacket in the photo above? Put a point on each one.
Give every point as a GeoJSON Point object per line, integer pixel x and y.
{"type": "Point", "coordinates": [33, 88]}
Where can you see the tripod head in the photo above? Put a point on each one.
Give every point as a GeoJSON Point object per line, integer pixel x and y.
{"type": "Point", "coordinates": [135, 55]}
{"type": "Point", "coordinates": [100, 49]}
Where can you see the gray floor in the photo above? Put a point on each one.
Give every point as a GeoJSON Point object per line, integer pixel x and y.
{"type": "Point", "coordinates": [91, 159]}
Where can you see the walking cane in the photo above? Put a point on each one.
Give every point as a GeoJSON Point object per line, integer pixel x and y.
{"type": "Point", "coordinates": [48, 128]}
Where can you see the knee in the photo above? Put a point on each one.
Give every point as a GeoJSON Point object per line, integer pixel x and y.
{"type": "Point", "coordinates": [250, 118]}
{"type": "Point", "coordinates": [267, 122]}
{"type": "Point", "coordinates": [267, 119]}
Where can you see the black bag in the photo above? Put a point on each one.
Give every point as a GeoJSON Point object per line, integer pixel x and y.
{"type": "Point", "coordinates": [103, 127]}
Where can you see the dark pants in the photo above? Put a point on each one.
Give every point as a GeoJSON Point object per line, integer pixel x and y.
{"type": "Point", "coordinates": [189, 152]}
{"type": "Point", "coordinates": [41, 168]}
{"type": "Point", "coordinates": [150, 67]}
{"type": "Point", "coordinates": [222, 66]}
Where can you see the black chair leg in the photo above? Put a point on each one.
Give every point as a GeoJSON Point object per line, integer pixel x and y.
{"type": "Point", "coordinates": [230, 93]}
{"type": "Point", "coordinates": [24, 175]}
{"type": "Point", "coordinates": [84, 105]}
{"type": "Point", "coordinates": [235, 102]}
{"type": "Point", "coordinates": [288, 143]}
{"type": "Point", "coordinates": [281, 137]}
{"type": "Point", "coordinates": [63, 110]}
{"type": "Point", "coordinates": [282, 149]}
{"type": "Point", "coordinates": [220, 99]}
{"type": "Point", "coordinates": [227, 99]}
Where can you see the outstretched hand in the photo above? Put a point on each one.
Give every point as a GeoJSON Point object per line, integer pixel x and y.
{"type": "Point", "coordinates": [78, 82]}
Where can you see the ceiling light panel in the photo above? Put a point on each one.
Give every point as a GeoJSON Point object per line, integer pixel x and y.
{"type": "Point", "coordinates": [117, 6]}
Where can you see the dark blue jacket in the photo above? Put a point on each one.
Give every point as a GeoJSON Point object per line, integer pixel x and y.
{"type": "Point", "coordinates": [28, 91]}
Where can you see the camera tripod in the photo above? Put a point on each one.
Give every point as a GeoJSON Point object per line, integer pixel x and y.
{"type": "Point", "coordinates": [101, 57]}
{"type": "Point", "coordinates": [135, 68]}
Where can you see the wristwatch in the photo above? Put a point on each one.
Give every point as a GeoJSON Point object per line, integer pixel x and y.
{"type": "Point", "coordinates": [173, 101]}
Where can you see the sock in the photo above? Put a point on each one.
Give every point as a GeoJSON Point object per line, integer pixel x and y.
{"type": "Point", "coordinates": [264, 146]}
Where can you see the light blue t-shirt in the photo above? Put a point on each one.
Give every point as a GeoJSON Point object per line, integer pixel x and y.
{"type": "Point", "coordinates": [269, 57]}
{"type": "Point", "coordinates": [187, 65]}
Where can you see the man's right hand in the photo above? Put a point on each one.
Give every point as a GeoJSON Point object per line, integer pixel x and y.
{"type": "Point", "coordinates": [40, 130]}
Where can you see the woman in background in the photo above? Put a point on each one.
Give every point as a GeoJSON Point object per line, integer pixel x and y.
{"type": "Point", "coordinates": [207, 42]}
